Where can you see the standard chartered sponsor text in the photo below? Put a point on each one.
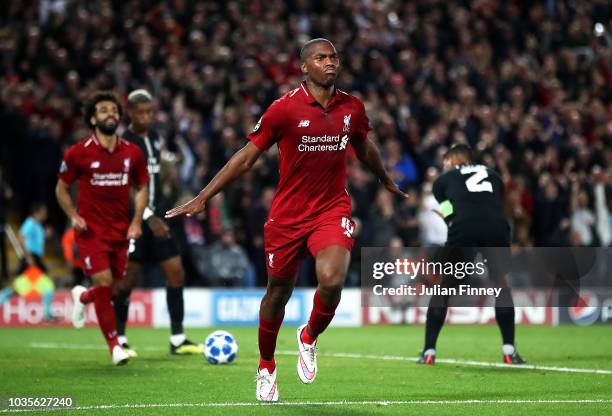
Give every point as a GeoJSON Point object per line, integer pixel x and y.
{"type": "Point", "coordinates": [323, 143]}
{"type": "Point", "coordinates": [109, 179]}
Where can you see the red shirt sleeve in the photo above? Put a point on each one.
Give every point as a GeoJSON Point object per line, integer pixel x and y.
{"type": "Point", "coordinates": [362, 125]}
{"type": "Point", "coordinates": [140, 174]}
{"type": "Point", "coordinates": [69, 170]}
{"type": "Point", "coordinates": [267, 131]}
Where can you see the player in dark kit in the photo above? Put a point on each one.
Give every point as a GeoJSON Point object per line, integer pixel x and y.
{"type": "Point", "coordinates": [313, 126]}
{"type": "Point", "coordinates": [470, 198]}
{"type": "Point", "coordinates": [157, 244]}
{"type": "Point", "coordinates": [106, 167]}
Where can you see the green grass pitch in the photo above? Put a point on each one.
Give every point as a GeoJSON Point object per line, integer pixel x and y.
{"type": "Point", "coordinates": [63, 361]}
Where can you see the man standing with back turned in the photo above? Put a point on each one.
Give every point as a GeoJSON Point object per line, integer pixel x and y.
{"type": "Point", "coordinates": [312, 126]}
{"type": "Point", "coordinates": [470, 197]}
{"type": "Point", "coordinates": [106, 166]}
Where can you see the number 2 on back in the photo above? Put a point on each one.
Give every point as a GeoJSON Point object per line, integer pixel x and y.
{"type": "Point", "coordinates": [476, 182]}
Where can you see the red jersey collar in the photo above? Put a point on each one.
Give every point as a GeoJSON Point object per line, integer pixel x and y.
{"type": "Point", "coordinates": [311, 100]}
{"type": "Point", "coordinates": [120, 142]}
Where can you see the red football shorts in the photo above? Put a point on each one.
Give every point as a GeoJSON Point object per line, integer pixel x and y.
{"type": "Point", "coordinates": [98, 255]}
{"type": "Point", "coordinates": [286, 247]}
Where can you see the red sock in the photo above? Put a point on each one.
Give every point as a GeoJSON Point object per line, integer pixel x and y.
{"type": "Point", "coordinates": [268, 332]}
{"type": "Point", "coordinates": [88, 295]}
{"type": "Point", "coordinates": [320, 318]}
{"type": "Point", "coordinates": [269, 365]}
{"type": "Point", "coordinates": [106, 315]}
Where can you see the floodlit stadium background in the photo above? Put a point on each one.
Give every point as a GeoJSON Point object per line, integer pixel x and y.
{"type": "Point", "coordinates": [527, 84]}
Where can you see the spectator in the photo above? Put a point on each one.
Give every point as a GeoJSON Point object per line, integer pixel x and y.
{"type": "Point", "coordinates": [583, 219]}
{"type": "Point", "coordinates": [229, 263]}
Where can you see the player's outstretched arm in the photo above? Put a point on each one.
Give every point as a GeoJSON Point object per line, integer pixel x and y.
{"type": "Point", "coordinates": [241, 162]}
{"type": "Point", "coordinates": [62, 193]}
{"type": "Point", "coordinates": [369, 155]}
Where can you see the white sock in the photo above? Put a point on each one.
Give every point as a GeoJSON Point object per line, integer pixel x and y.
{"type": "Point", "coordinates": [508, 349]}
{"type": "Point", "coordinates": [122, 339]}
{"type": "Point", "coordinates": [430, 351]}
{"type": "Point", "coordinates": [177, 339]}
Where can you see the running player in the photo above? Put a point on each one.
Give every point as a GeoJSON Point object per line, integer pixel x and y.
{"type": "Point", "coordinates": [106, 167]}
{"type": "Point", "coordinates": [313, 126]}
{"type": "Point", "coordinates": [470, 198]}
{"type": "Point", "coordinates": [157, 243]}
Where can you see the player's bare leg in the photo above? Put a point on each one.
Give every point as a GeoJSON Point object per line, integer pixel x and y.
{"type": "Point", "coordinates": [175, 281]}
{"type": "Point", "coordinates": [122, 304]}
{"type": "Point", "coordinates": [101, 296]}
{"type": "Point", "coordinates": [271, 314]}
{"type": "Point", "coordinates": [331, 264]}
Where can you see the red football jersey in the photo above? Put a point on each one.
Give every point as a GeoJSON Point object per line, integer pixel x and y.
{"type": "Point", "coordinates": [104, 179]}
{"type": "Point", "coordinates": [313, 143]}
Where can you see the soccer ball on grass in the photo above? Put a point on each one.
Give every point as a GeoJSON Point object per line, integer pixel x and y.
{"type": "Point", "coordinates": [220, 347]}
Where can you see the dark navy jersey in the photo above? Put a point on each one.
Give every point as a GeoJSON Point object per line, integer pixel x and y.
{"type": "Point", "coordinates": [470, 193]}
{"type": "Point", "coordinates": [151, 148]}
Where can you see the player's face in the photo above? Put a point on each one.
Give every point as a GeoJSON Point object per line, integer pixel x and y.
{"type": "Point", "coordinates": [106, 118]}
{"type": "Point", "coordinates": [322, 64]}
{"type": "Point", "coordinates": [142, 115]}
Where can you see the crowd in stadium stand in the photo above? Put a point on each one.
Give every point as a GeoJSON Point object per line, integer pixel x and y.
{"type": "Point", "coordinates": [528, 84]}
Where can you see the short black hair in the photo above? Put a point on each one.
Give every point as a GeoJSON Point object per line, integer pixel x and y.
{"type": "Point", "coordinates": [460, 150]}
{"type": "Point", "coordinates": [90, 107]}
{"type": "Point", "coordinates": [308, 45]}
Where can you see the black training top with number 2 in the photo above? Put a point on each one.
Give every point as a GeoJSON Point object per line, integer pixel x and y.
{"type": "Point", "coordinates": [469, 193]}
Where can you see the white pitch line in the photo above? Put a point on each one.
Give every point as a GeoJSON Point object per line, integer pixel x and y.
{"type": "Point", "coordinates": [460, 362]}
{"type": "Point", "coordinates": [52, 345]}
{"type": "Point", "coordinates": [63, 346]}
{"type": "Point", "coordinates": [310, 403]}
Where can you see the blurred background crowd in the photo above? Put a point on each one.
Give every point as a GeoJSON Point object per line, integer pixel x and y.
{"type": "Point", "coordinates": [526, 83]}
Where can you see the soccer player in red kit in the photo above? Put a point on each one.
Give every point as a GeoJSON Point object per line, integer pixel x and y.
{"type": "Point", "coordinates": [106, 167]}
{"type": "Point", "coordinates": [313, 126]}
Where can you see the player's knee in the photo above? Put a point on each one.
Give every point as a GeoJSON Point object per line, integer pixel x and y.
{"type": "Point", "coordinates": [278, 296]}
{"type": "Point", "coordinates": [330, 280]}
{"type": "Point", "coordinates": [173, 269]}
{"type": "Point", "coordinates": [176, 278]}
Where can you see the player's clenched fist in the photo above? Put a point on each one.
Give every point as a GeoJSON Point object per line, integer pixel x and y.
{"type": "Point", "coordinates": [79, 223]}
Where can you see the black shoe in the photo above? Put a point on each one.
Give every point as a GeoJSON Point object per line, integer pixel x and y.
{"type": "Point", "coordinates": [187, 348]}
{"type": "Point", "coordinates": [428, 359]}
{"type": "Point", "coordinates": [514, 358]}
